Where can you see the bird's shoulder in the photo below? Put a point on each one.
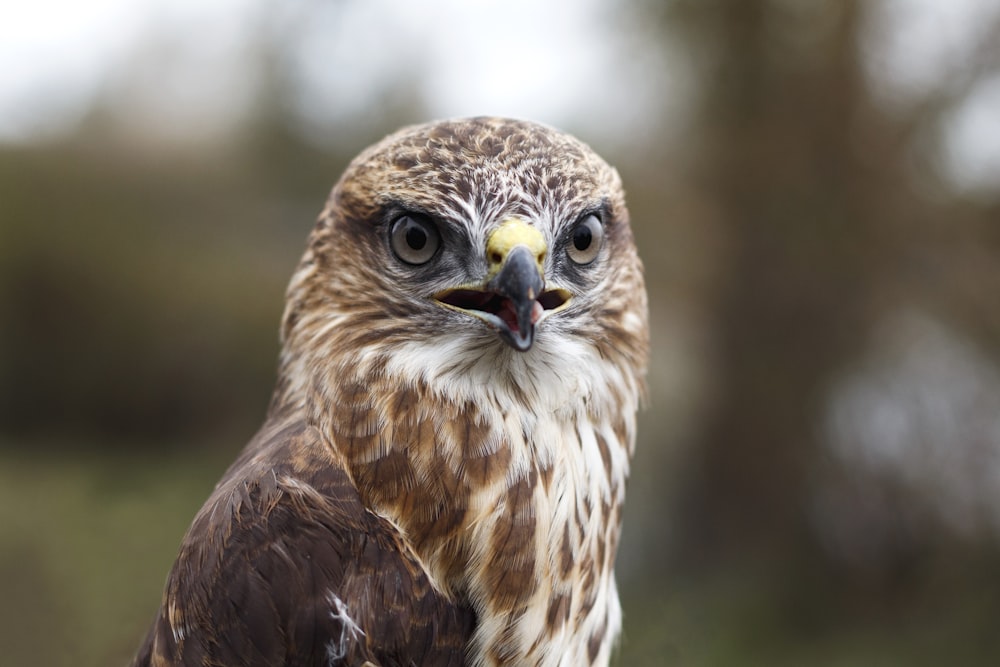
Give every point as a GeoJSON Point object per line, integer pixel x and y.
{"type": "Point", "coordinates": [284, 565]}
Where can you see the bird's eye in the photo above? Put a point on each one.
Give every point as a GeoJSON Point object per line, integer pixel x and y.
{"type": "Point", "coordinates": [414, 239]}
{"type": "Point", "coordinates": [586, 240]}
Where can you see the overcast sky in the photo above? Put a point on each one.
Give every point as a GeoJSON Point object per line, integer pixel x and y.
{"type": "Point", "coordinates": [543, 60]}
{"type": "Point", "coordinates": [558, 61]}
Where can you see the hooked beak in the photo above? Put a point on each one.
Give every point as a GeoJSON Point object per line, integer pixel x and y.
{"type": "Point", "coordinates": [512, 298]}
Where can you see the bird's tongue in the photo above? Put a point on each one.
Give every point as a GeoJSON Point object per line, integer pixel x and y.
{"type": "Point", "coordinates": [508, 314]}
{"type": "Point", "coordinates": [536, 312]}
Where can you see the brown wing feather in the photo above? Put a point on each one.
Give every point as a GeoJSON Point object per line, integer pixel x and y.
{"type": "Point", "coordinates": [284, 566]}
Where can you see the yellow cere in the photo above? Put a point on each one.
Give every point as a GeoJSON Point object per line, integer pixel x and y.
{"type": "Point", "coordinates": [513, 232]}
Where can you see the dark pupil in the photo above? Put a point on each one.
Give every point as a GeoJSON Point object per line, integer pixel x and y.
{"type": "Point", "coordinates": [582, 237]}
{"type": "Point", "coordinates": [416, 237]}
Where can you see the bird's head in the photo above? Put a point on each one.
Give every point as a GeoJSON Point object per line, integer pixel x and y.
{"type": "Point", "coordinates": [470, 244]}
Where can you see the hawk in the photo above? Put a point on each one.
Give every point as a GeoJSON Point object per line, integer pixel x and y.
{"type": "Point", "coordinates": [440, 476]}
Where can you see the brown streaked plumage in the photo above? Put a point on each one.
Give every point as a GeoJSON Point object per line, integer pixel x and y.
{"type": "Point", "coordinates": [440, 476]}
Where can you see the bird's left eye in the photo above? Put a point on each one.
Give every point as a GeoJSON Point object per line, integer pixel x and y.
{"type": "Point", "coordinates": [414, 239]}
{"type": "Point", "coordinates": [585, 241]}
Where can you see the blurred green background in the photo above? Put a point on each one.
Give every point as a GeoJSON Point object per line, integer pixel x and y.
{"type": "Point", "coordinates": [815, 188]}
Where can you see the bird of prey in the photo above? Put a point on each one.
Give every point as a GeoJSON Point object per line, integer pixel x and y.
{"type": "Point", "coordinates": [440, 476]}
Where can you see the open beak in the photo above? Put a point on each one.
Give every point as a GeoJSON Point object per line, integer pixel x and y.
{"type": "Point", "coordinates": [512, 298]}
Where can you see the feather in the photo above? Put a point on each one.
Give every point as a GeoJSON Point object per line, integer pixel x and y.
{"type": "Point", "coordinates": [421, 492]}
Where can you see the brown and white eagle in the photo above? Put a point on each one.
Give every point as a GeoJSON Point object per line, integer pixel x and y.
{"type": "Point", "coordinates": [440, 477]}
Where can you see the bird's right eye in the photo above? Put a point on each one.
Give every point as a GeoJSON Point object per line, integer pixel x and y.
{"type": "Point", "coordinates": [414, 239]}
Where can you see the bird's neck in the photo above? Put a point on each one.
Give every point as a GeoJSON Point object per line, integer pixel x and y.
{"type": "Point", "coordinates": [486, 481]}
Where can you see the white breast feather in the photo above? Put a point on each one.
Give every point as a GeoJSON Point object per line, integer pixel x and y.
{"type": "Point", "coordinates": [569, 390]}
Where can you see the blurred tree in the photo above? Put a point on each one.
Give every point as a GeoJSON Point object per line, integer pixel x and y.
{"type": "Point", "coordinates": [812, 185]}
{"type": "Point", "coordinates": [780, 165]}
